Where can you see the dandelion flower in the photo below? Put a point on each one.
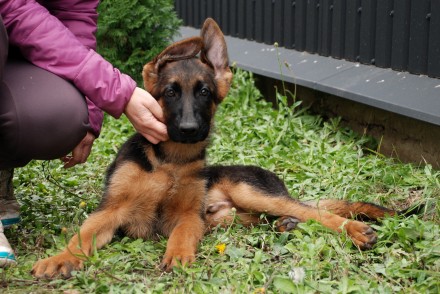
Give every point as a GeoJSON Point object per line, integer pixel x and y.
{"type": "Point", "coordinates": [221, 248]}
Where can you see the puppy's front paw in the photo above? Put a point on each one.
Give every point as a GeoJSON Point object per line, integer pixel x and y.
{"type": "Point", "coordinates": [59, 265]}
{"type": "Point", "coordinates": [177, 258]}
{"type": "Point", "coordinates": [362, 235]}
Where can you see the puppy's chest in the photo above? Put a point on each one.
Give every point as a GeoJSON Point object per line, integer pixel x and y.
{"type": "Point", "coordinates": [170, 193]}
{"type": "Point", "coordinates": [181, 182]}
{"type": "Point", "coordinates": [184, 195]}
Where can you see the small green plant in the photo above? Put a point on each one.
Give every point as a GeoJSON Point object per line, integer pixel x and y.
{"type": "Point", "coordinates": [131, 32]}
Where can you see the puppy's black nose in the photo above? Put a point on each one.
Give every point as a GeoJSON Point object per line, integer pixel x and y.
{"type": "Point", "coordinates": [188, 128]}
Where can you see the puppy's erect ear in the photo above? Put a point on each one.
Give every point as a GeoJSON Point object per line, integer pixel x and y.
{"type": "Point", "coordinates": [215, 54]}
{"type": "Point", "coordinates": [184, 49]}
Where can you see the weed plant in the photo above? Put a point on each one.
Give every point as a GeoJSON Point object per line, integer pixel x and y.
{"type": "Point", "coordinates": [316, 158]}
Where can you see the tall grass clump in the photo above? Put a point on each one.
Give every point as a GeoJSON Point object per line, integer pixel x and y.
{"type": "Point", "coordinates": [316, 158]}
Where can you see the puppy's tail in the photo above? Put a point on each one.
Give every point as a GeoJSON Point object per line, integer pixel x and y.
{"type": "Point", "coordinates": [363, 211]}
{"type": "Point", "coordinates": [358, 210]}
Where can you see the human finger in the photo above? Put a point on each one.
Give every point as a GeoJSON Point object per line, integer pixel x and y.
{"type": "Point", "coordinates": [155, 108]}
{"type": "Point", "coordinates": [80, 153]}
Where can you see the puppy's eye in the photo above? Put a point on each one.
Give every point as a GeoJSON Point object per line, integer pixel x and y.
{"type": "Point", "coordinates": [170, 93]}
{"type": "Point", "coordinates": [204, 92]}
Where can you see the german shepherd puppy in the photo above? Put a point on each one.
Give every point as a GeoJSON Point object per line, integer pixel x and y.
{"type": "Point", "coordinates": [167, 189]}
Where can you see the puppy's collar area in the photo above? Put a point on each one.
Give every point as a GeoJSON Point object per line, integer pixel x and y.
{"type": "Point", "coordinates": [180, 153]}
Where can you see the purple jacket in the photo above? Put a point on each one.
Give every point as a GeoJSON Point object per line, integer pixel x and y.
{"type": "Point", "coordinates": [58, 35]}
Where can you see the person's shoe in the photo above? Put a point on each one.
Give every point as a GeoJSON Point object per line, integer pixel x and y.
{"type": "Point", "coordinates": [9, 207]}
{"type": "Point", "coordinates": [7, 257]}
{"type": "Point", "coordinates": [9, 212]}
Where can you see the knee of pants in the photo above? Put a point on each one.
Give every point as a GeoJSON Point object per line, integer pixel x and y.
{"type": "Point", "coordinates": [42, 116]}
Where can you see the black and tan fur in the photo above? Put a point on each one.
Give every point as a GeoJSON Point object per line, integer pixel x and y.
{"type": "Point", "coordinates": [167, 189]}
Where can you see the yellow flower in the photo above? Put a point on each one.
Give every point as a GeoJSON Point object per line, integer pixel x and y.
{"type": "Point", "coordinates": [82, 204]}
{"type": "Point", "coordinates": [261, 290]}
{"type": "Point", "coordinates": [221, 248]}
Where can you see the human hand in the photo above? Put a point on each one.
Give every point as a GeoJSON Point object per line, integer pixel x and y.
{"type": "Point", "coordinates": [80, 152]}
{"type": "Point", "coordinates": [146, 116]}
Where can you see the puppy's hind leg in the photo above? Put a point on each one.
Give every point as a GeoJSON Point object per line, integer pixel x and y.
{"type": "Point", "coordinates": [97, 230]}
{"type": "Point", "coordinates": [248, 198]}
{"type": "Point", "coordinates": [286, 223]}
{"type": "Point", "coordinates": [221, 211]}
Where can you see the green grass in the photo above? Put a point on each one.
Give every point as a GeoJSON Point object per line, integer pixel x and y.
{"type": "Point", "coordinates": [316, 158]}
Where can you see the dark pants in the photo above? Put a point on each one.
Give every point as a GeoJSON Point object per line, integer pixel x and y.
{"type": "Point", "coordinates": [42, 116]}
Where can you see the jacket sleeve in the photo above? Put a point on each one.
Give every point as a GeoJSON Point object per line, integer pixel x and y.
{"type": "Point", "coordinates": [80, 17]}
{"type": "Point", "coordinates": [49, 44]}
{"type": "Point", "coordinates": [95, 117]}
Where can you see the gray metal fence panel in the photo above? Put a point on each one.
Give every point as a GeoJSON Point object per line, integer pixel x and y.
{"type": "Point", "coordinates": [352, 29]}
{"type": "Point", "coordinates": [399, 53]}
{"type": "Point", "coordinates": [312, 23]}
{"type": "Point", "coordinates": [367, 34]}
{"type": "Point", "coordinates": [259, 21]}
{"type": "Point", "coordinates": [224, 16]}
{"type": "Point", "coordinates": [325, 27]}
{"type": "Point", "coordinates": [278, 22]}
{"type": "Point", "coordinates": [300, 25]}
{"type": "Point", "coordinates": [384, 30]}
{"type": "Point", "coordinates": [434, 40]}
{"type": "Point", "coordinates": [338, 29]}
{"type": "Point", "coordinates": [268, 22]}
{"type": "Point", "coordinates": [241, 18]}
{"type": "Point", "coordinates": [233, 18]}
{"type": "Point", "coordinates": [418, 37]}
{"type": "Point", "coordinates": [403, 35]}
{"type": "Point", "coordinates": [288, 24]}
